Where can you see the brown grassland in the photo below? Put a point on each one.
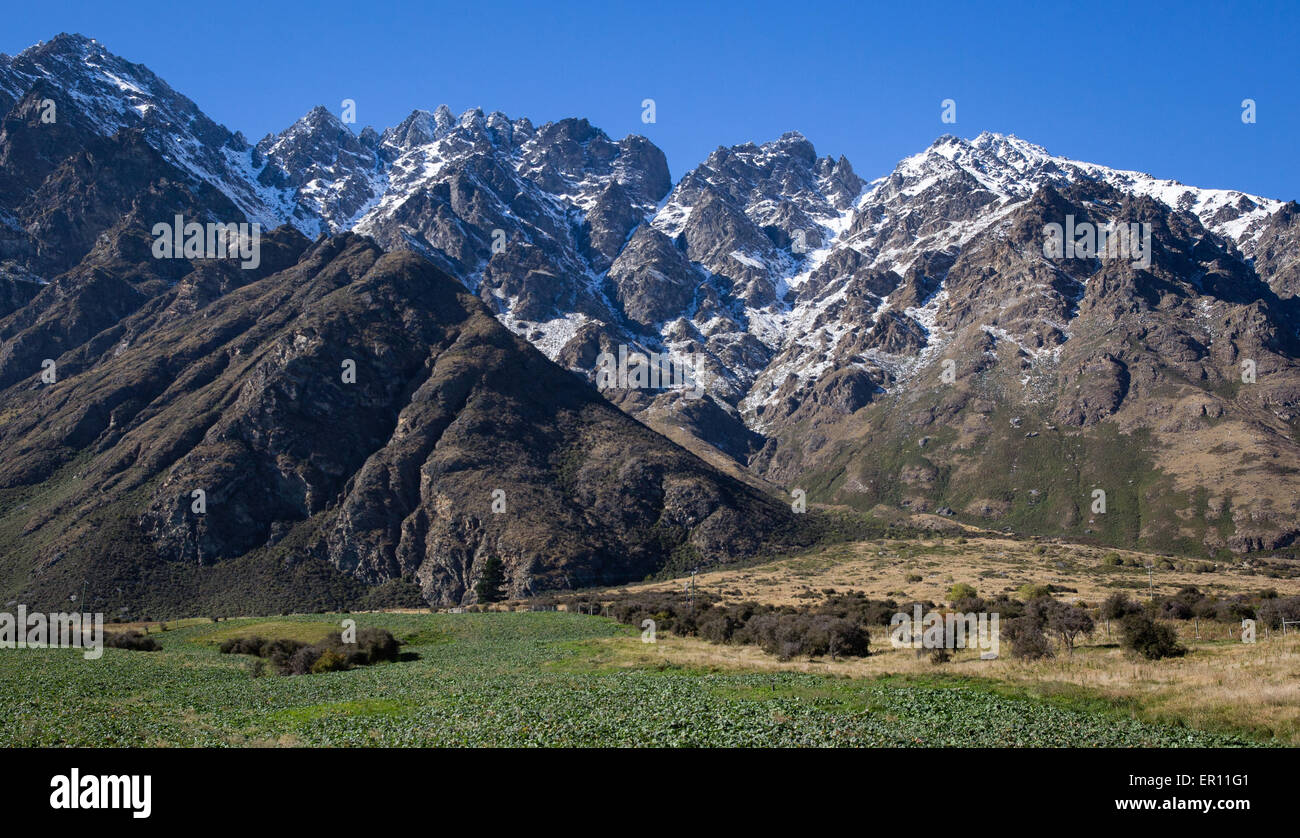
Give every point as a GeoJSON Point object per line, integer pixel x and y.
{"type": "Point", "coordinates": [1221, 684]}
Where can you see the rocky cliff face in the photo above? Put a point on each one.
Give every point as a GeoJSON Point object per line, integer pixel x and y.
{"type": "Point", "coordinates": [332, 174]}
{"type": "Point", "coordinates": [98, 93]}
{"type": "Point", "coordinates": [937, 357]}
{"type": "Point", "coordinates": [1029, 383]}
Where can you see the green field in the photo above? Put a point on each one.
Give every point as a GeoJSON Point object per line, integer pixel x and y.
{"type": "Point", "coordinates": [526, 679]}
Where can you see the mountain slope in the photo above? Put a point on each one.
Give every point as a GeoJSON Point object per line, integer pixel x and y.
{"type": "Point", "coordinates": [242, 396]}
{"type": "Point", "coordinates": [1066, 376]}
{"type": "Point", "coordinates": [102, 94]}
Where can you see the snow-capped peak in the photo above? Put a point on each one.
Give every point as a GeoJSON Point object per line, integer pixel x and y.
{"type": "Point", "coordinates": [1010, 167]}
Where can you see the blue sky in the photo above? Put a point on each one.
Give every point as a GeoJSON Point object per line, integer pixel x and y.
{"type": "Point", "coordinates": [1154, 87]}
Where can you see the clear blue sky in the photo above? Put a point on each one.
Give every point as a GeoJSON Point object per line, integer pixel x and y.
{"type": "Point", "coordinates": [1155, 87]}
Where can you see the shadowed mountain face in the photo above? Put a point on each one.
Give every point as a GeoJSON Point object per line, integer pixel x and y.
{"type": "Point", "coordinates": [904, 344]}
{"type": "Point", "coordinates": [357, 409]}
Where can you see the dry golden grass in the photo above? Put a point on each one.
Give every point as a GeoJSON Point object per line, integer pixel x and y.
{"type": "Point", "coordinates": [153, 626]}
{"type": "Point", "coordinates": [990, 564]}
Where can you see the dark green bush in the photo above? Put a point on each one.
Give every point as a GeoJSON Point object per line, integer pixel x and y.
{"type": "Point", "coordinates": [1150, 639]}
{"type": "Point", "coordinates": [132, 640]}
{"type": "Point", "coordinates": [835, 628]}
{"type": "Point", "coordinates": [293, 657]}
{"type": "Point", "coordinates": [1117, 606]}
{"type": "Point", "coordinates": [1027, 639]}
{"type": "Point", "coordinates": [814, 635]}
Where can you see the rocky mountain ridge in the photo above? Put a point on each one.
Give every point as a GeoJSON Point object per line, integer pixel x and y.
{"type": "Point", "coordinates": [840, 324]}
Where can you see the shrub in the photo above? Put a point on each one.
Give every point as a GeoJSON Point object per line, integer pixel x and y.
{"type": "Point", "coordinates": [961, 591]}
{"type": "Point", "coordinates": [837, 627]}
{"type": "Point", "coordinates": [133, 640]}
{"type": "Point", "coordinates": [293, 657]}
{"type": "Point", "coordinates": [1150, 639]}
{"type": "Point", "coordinates": [718, 626]}
{"type": "Point", "coordinates": [379, 644]}
{"type": "Point", "coordinates": [1068, 622]}
{"type": "Point", "coordinates": [1005, 606]}
{"type": "Point", "coordinates": [302, 661]}
{"type": "Point", "coordinates": [281, 652]}
{"type": "Point", "coordinates": [1027, 639]}
{"type": "Point", "coordinates": [330, 660]}
{"type": "Point", "coordinates": [373, 645]}
{"type": "Point", "coordinates": [1117, 606]}
{"type": "Point", "coordinates": [814, 635]}
{"type": "Point", "coordinates": [243, 646]}
{"type": "Point", "coordinates": [1235, 610]}
{"type": "Point", "coordinates": [1182, 605]}
{"type": "Point", "coordinates": [1273, 611]}
{"type": "Point", "coordinates": [846, 638]}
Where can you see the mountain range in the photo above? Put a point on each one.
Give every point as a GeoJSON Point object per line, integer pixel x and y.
{"type": "Point", "coordinates": [904, 346]}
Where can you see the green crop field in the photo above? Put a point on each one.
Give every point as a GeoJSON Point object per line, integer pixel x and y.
{"type": "Point", "coordinates": [525, 679]}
